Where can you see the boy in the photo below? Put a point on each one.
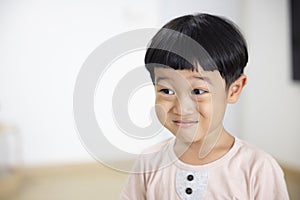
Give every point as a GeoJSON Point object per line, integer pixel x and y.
{"type": "Point", "coordinates": [196, 63]}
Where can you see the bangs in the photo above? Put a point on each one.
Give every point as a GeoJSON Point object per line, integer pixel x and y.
{"type": "Point", "coordinates": [173, 49]}
{"type": "Point", "coordinates": [167, 59]}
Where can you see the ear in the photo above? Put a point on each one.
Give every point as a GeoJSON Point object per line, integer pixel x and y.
{"type": "Point", "coordinates": [236, 88]}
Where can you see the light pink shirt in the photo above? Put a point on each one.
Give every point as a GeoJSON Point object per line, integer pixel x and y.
{"type": "Point", "coordinates": [245, 172]}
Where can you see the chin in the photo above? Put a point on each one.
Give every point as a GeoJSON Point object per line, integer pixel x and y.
{"type": "Point", "coordinates": [186, 138]}
{"type": "Point", "coordinates": [189, 137]}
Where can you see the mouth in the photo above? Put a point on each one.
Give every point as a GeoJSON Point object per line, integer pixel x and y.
{"type": "Point", "coordinates": [184, 123]}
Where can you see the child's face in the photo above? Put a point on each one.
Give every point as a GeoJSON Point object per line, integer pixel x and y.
{"type": "Point", "coordinates": [190, 104]}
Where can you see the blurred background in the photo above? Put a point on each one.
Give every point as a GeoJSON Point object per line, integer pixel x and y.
{"type": "Point", "coordinates": [43, 45]}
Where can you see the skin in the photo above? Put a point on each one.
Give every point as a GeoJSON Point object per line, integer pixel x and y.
{"type": "Point", "coordinates": [191, 105]}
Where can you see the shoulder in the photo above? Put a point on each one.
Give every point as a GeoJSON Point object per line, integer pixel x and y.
{"type": "Point", "coordinates": [158, 147]}
{"type": "Point", "coordinates": [251, 152]}
{"type": "Point", "coordinates": [264, 173]}
{"type": "Point", "coordinates": [253, 159]}
{"type": "Point", "coordinates": [258, 162]}
{"type": "Point", "coordinates": [155, 157]}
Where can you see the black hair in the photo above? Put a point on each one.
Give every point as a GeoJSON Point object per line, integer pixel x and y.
{"type": "Point", "coordinates": [222, 46]}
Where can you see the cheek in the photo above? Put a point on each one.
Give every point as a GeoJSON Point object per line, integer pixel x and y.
{"type": "Point", "coordinates": [204, 117]}
{"type": "Point", "coordinates": [162, 108]}
{"type": "Point", "coordinates": [160, 113]}
{"type": "Point", "coordinates": [205, 109]}
{"type": "Point", "coordinates": [219, 107]}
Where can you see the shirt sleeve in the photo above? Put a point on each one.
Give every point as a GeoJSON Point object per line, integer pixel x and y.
{"type": "Point", "coordinates": [269, 182]}
{"type": "Point", "coordinates": [135, 187]}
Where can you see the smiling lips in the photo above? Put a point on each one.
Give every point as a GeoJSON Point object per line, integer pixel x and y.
{"type": "Point", "coordinates": [186, 123]}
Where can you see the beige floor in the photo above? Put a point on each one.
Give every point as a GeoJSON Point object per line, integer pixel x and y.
{"type": "Point", "coordinates": [88, 182]}
{"type": "Point", "coordinates": [77, 182]}
{"type": "Point", "coordinates": [293, 182]}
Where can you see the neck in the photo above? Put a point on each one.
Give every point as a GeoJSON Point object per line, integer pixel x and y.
{"type": "Point", "coordinates": [207, 150]}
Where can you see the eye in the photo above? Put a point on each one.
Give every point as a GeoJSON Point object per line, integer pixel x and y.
{"type": "Point", "coordinates": [198, 91]}
{"type": "Point", "coordinates": [167, 91]}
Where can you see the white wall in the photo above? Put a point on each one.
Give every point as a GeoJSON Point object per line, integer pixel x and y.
{"type": "Point", "coordinates": [271, 109]}
{"type": "Point", "coordinates": [44, 43]}
{"type": "Point", "coordinates": [232, 9]}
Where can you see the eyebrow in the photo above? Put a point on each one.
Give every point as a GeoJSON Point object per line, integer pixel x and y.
{"type": "Point", "coordinates": [203, 78]}
{"type": "Point", "coordinates": [161, 79]}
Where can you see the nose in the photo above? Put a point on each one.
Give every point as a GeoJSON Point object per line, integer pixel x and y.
{"type": "Point", "coordinates": [184, 105]}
